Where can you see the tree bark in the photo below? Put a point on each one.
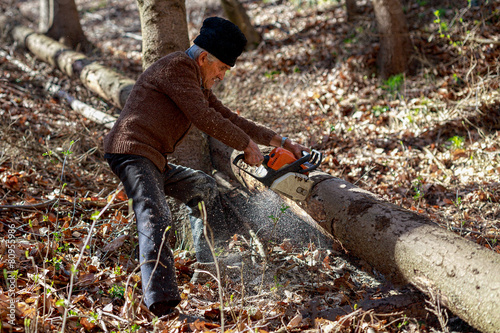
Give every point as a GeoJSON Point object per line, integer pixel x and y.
{"type": "Point", "coordinates": [59, 20]}
{"type": "Point", "coordinates": [193, 151]}
{"type": "Point", "coordinates": [164, 28]}
{"type": "Point", "coordinates": [85, 110]}
{"type": "Point", "coordinates": [406, 247]}
{"type": "Point", "coordinates": [237, 14]}
{"type": "Point", "coordinates": [395, 44]}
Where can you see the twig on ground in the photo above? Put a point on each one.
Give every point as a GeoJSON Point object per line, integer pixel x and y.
{"type": "Point", "coordinates": [258, 244]}
{"type": "Point", "coordinates": [29, 206]}
{"type": "Point", "coordinates": [438, 162]}
{"type": "Point", "coordinates": [203, 210]}
{"type": "Point", "coordinates": [101, 320]}
{"type": "Point", "coordinates": [435, 308]}
{"type": "Point", "coordinates": [112, 316]}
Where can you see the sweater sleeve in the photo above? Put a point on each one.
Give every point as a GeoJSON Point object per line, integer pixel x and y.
{"type": "Point", "coordinates": [181, 81]}
{"type": "Point", "coordinates": [260, 134]}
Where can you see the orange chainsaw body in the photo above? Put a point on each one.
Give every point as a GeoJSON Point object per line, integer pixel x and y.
{"type": "Point", "coordinates": [280, 157]}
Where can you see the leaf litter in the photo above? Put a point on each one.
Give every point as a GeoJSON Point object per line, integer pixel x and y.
{"type": "Point", "coordinates": [428, 142]}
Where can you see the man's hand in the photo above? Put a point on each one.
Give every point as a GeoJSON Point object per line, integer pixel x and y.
{"type": "Point", "coordinates": [295, 148]}
{"type": "Point", "coordinates": [253, 155]}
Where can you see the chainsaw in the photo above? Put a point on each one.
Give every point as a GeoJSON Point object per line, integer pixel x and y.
{"type": "Point", "coordinates": [285, 174]}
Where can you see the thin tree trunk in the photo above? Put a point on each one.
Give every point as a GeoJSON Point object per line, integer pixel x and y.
{"type": "Point", "coordinates": [59, 20]}
{"type": "Point", "coordinates": [237, 14]}
{"type": "Point", "coordinates": [395, 44]}
{"type": "Point", "coordinates": [351, 8]}
{"type": "Point", "coordinates": [164, 28]}
{"type": "Point", "coordinates": [406, 247]}
{"type": "Point", "coordinates": [193, 151]}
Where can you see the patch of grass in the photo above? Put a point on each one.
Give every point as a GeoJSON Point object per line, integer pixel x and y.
{"type": "Point", "coordinates": [394, 83]}
{"type": "Point", "coordinates": [272, 74]}
{"type": "Point", "coordinates": [117, 291]}
{"type": "Point", "coordinates": [99, 6]}
{"type": "Point", "coordinates": [418, 189]}
{"type": "Point", "coordinates": [457, 142]}
{"type": "Point", "coordinates": [377, 110]}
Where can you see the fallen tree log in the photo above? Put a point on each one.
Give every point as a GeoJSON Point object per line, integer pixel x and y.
{"type": "Point", "coordinates": [403, 245]}
{"type": "Point", "coordinates": [408, 247]}
{"type": "Point", "coordinates": [85, 110]}
{"type": "Point", "coordinates": [103, 81]}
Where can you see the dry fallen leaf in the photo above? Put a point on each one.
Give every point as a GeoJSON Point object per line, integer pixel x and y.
{"type": "Point", "coordinates": [115, 244]}
{"type": "Point", "coordinates": [295, 322]}
{"type": "Point", "coordinates": [108, 308]}
{"type": "Point", "coordinates": [87, 324]}
{"type": "Point", "coordinates": [287, 246]}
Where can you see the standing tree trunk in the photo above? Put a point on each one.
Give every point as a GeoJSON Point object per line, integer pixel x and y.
{"type": "Point", "coordinates": [164, 28]}
{"type": "Point", "coordinates": [395, 44]}
{"type": "Point", "coordinates": [351, 8]}
{"type": "Point", "coordinates": [237, 14]}
{"type": "Point", "coordinates": [59, 20]}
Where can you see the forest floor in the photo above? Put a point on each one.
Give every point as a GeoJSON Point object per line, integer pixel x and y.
{"type": "Point", "coordinates": [428, 141]}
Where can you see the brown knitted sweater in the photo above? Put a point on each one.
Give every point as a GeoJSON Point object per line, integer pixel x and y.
{"type": "Point", "coordinates": [165, 101]}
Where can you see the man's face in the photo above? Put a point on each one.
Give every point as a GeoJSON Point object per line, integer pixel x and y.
{"type": "Point", "coordinates": [211, 71]}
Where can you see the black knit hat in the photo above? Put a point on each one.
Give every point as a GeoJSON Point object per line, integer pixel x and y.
{"type": "Point", "coordinates": [221, 38]}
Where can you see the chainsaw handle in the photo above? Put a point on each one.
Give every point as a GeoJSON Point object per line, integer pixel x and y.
{"type": "Point", "coordinates": [241, 157]}
{"type": "Point", "coordinates": [267, 180]}
{"type": "Point", "coordinates": [238, 158]}
{"type": "Point", "coordinates": [314, 158]}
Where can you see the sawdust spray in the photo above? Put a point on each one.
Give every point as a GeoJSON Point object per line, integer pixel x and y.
{"type": "Point", "coordinates": [272, 220]}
